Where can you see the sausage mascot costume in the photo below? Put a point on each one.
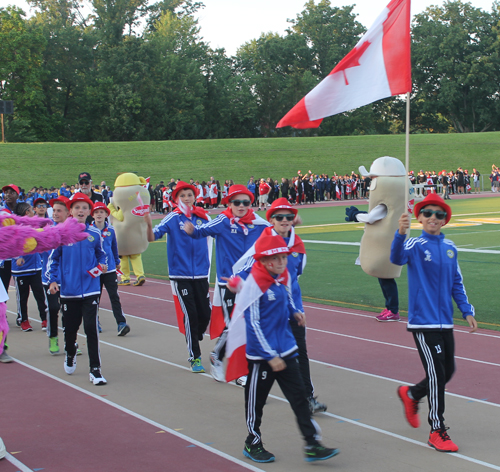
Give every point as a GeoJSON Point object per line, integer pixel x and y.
{"type": "Point", "coordinates": [386, 204]}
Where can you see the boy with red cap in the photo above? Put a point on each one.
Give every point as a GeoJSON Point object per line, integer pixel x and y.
{"type": "Point", "coordinates": [267, 306]}
{"type": "Point", "coordinates": [282, 216]}
{"type": "Point", "coordinates": [434, 278]}
{"type": "Point", "coordinates": [110, 280]}
{"type": "Point", "coordinates": [73, 271]}
{"type": "Point", "coordinates": [188, 268]}
{"type": "Point", "coordinates": [235, 231]}
{"type": "Point", "coordinates": [60, 213]}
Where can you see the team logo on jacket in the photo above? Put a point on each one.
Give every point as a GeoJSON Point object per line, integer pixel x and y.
{"type": "Point", "coordinates": [428, 257]}
{"type": "Point", "coordinates": [450, 253]}
{"type": "Point", "coordinates": [295, 254]}
{"type": "Point", "coordinates": [251, 226]}
{"type": "Point", "coordinates": [106, 234]}
{"type": "Point", "coordinates": [270, 296]}
{"type": "Point", "coordinates": [90, 238]}
{"type": "Point", "coordinates": [198, 222]}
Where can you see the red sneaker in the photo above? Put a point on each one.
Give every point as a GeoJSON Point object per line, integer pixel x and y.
{"type": "Point", "coordinates": [25, 326]}
{"type": "Point", "coordinates": [440, 441]}
{"type": "Point", "coordinates": [44, 325]}
{"type": "Point", "coordinates": [410, 406]}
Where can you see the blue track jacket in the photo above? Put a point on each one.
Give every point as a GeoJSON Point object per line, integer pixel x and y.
{"type": "Point", "coordinates": [68, 266]}
{"type": "Point", "coordinates": [32, 265]}
{"type": "Point", "coordinates": [434, 277]}
{"type": "Point", "coordinates": [188, 258]}
{"type": "Point", "coordinates": [267, 325]}
{"type": "Point", "coordinates": [230, 242]}
{"type": "Point", "coordinates": [109, 245]}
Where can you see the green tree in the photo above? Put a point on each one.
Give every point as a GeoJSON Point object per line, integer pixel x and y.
{"type": "Point", "coordinates": [455, 69]}
{"type": "Point", "coordinates": [21, 57]}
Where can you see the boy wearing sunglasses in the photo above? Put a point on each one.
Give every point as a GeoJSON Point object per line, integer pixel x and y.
{"type": "Point", "coordinates": [434, 278]}
{"type": "Point", "coordinates": [235, 231]}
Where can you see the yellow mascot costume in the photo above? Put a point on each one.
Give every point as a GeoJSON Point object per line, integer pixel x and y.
{"type": "Point", "coordinates": [129, 204]}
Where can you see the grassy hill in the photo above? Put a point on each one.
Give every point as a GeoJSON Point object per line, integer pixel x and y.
{"type": "Point", "coordinates": [52, 163]}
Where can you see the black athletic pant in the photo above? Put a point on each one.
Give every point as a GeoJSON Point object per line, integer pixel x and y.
{"type": "Point", "coordinates": [390, 291]}
{"type": "Point", "coordinates": [5, 274]}
{"type": "Point", "coordinates": [228, 298]}
{"type": "Point", "coordinates": [74, 310]}
{"type": "Point", "coordinates": [299, 333]}
{"type": "Point", "coordinates": [194, 298]}
{"type": "Point", "coordinates": [110, 281]}
{"type": "Point", "coordinates": [260, 379]}
{"type": "Point", "coordinates": [23, 284]}
{"type": "Point", "coordinates": [54, 307]}
{"type": "Point", "coordinates": [437, 353]}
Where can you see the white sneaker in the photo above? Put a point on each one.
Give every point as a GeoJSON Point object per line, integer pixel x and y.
{"type": "Point", "coordinates": [69, 364]}
{"type": "Point", "coordinates": [96, 377]}
{"type": "Point", "coordinates": [241, 381]}
{"type": "Point", "coordinates": [3, 450]}
{"type": "Point", "coordinates": [217, 369]}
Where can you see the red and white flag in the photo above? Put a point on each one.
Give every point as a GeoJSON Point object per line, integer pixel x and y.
{"type": "Point", "coordinates": [337, 191]}
{"type": "Point", "coordinates": [96, 271]}
{"type": "Point", "coordinates": [378, 67]}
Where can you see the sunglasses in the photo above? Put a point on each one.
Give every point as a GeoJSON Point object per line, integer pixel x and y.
{"type": "Point", "coordinates": [41, 205]}
{"type": "Point", "coordinates": [84, 182]}
{"type": "Point", "coordinates": [440, 215]}
{"type": "Point", "coordinates": [280, 217]}
{"type": "Point", "coordinates": [241, 202]}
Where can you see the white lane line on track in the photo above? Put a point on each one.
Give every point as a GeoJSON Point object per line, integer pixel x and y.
{"type": "Point", "coordinates": [141, 417]}
{"type": "Point", "coordinates": [193, 441]}
{"type": "Point", "coordinates": [17, 463]}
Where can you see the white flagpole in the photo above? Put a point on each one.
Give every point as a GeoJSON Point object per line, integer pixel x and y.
{"type": "Point", "coordinates": [407, 157]}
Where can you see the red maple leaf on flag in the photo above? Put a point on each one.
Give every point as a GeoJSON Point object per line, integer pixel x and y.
{"type": "Point", "coordinates": [351, 60]}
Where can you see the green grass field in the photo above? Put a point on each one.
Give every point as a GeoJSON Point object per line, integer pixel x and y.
{"type": "Point", "coordinates": [50, 164]}
{"type": "Point", "coordinates": [332, 278]}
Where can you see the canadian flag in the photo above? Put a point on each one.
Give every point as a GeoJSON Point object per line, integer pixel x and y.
{"type": "Point", "coordinates": [378, 67]}
{"type": "Point", "coordinates": [337, 191]}
{"type": "Point", "coordinates": [96, 271]}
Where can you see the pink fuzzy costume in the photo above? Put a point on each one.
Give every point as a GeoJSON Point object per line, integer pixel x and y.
{"type": "Point", "coordinates": [26, 235]}
{"type": "Point", "coordinates": [15, 238]}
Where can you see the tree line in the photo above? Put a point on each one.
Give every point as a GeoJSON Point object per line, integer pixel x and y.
{"type": "Point", "coordinates": [131, 70]}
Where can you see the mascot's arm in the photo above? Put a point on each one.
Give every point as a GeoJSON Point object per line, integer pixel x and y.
{"type": "Point", "coordinates": [11, 220]}
{"type": "Point", "coordinates": [378, 213]}
{"type": "Point", "coordinates": [117, 214]}
{"type": "Point", "coordinates": [17, 240]}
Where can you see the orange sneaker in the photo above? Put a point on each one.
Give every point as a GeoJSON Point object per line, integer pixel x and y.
{"type": "Point", "coordinates": [410, 406]}
{"type": "Point", "coordinates": [440, 441]}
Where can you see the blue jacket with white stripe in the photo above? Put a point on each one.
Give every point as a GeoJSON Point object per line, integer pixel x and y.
{"type": "Point", "coordinates": [434, 278]}
{"type": "Point", "coordinates": [69, 266]}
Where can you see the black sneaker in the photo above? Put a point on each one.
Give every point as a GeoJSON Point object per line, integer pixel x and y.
{"type": "Point", "coordinates": [257, 453]}
{"type": "Point", "coordinates": [319, 453]}
{"type": "Point", "coordinates": [315, 406]}
{"type": "Point", "coordinates": [96, 377]}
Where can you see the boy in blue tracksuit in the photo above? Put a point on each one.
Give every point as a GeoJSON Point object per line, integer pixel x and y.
{"type": "Point", "coordinates": [235, 231]}
{"type": "Point", "coordinates": [110, 280]}
{"type": "Point", "coordinates": [434, 278]}
{"type": "Point", "coordinates": [271, 350]}
{"type": "Point", "coordinates": [27, 273]}
{"type": "Point", "coordinates": [188, 268]}
{"type": "Point", "coordinates": [74, 271]}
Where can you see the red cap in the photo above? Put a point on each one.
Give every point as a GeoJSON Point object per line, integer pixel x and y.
{"type": "Point", "coordinates": [433, 199]}
{"type": "Point", "coordinates": [237, 190]}
{"type": "Point", "coordinates": [61, 199]}
{"type": "Point", "coordinates": [182, 186]}
{"type": "Point", "coordinates": [280, 204]}
{"type": "Point", "coordinates": [100, 206]}
{"type": "Point", "coordinates": [79, 197]}
{"type": "Point", "coordinates": [39, 199]}
{"type": "Point", "coordinates": [270, 245]}
{"type": "Point", "coordinates": [12, 187]}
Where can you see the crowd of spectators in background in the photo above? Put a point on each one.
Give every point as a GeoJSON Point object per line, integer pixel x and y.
{"type": "Point", "coordinates": [307, 188]}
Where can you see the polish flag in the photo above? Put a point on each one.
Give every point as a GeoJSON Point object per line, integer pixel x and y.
{"type": "Point", "coordinates": [378, 67]}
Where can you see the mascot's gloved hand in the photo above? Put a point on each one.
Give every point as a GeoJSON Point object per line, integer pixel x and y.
{"type": "Point", "coordinates": [351, 213]}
